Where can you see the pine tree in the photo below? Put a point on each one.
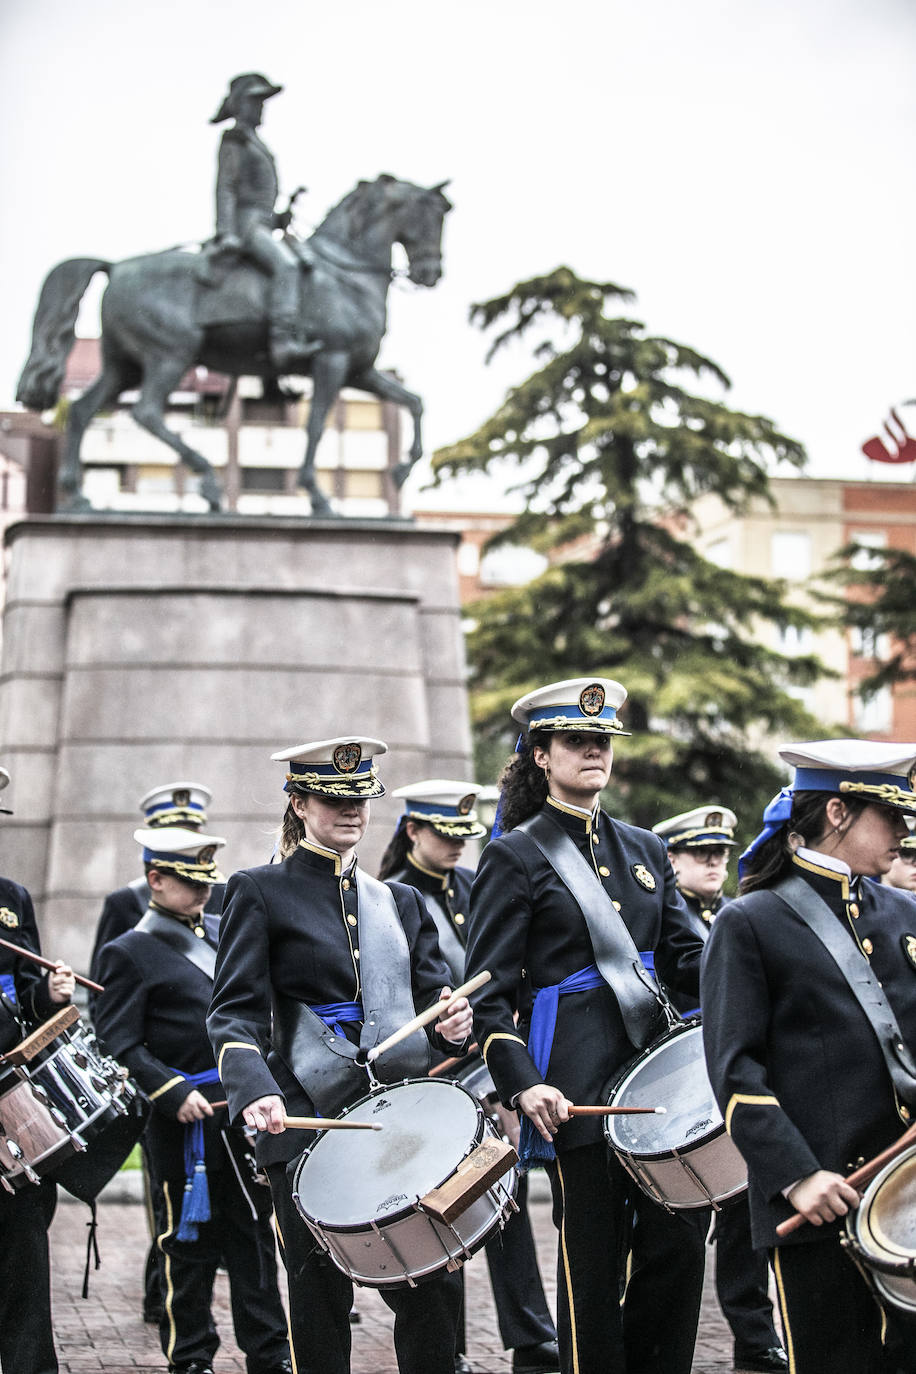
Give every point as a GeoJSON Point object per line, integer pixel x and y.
{"type": "Point", "coordinates": [879, 604]}
{"type": "Point", "coordinates": [613, 448]}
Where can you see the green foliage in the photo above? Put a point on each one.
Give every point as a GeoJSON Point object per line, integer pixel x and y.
{"type": "Point", "coordinates": [882, 603]}
{"type": "Point", "coordinates": [612, 444]}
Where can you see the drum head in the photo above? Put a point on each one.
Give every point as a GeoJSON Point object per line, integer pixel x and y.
{"type": "Point", "coordinates": [351, 1178]}
{"type": "Point", "coordinates": [672, 1075]}
{"type": "Point", "coordinates": [886, 1217]}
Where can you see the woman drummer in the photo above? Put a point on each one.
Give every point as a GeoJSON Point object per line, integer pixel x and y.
{"type": "Point", "coordinates": [574, 950]}
{"type": "Point", "coordinates": [794, 1058]}
{"type": "Point", "coordinates": [307, 944]}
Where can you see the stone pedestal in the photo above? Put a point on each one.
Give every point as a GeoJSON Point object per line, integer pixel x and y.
{"type": "Point", "coordinates": [141, 650]}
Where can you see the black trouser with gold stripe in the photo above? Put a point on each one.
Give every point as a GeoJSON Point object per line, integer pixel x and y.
{"type": "Point", "coordinates": [320, 1298]}
{"type": "Point", "coordinates": [654, 1330]}
{"type": "Point", "coordinates": [831, 1321]}
{"type": "Point", "coordinates": [26, 1340]}
{"type": "Point", "coordinates": [245, 1245]}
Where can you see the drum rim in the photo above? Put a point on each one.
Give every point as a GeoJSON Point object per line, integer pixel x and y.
{"type": "Point", "coordinates": [693, 1023]}
{"type": "Point", "coordinates": [410, 1208]}
{"type": "Point", "coordinates": [883, 1262]}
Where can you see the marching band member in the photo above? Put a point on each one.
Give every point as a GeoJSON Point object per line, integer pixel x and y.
{"type": "Point", "coordinates": [438, 819]}
{"type": "Point", "coordinates": [208, 1208]}
{"type": "Point", "coordinates": [564, 902]}
{"type": "Point", "coordinates": [902, 872]}
{"type": "Point", "coordinates": [802, 976]}
{"type": "Point", "coordinates": [27, 997]}
{"type": "Point", "coordinates": [313, 942]}
{"type": "Point", "coordinates": [169, 804]}
{"type": "Point", "coordinates": [699, 843]}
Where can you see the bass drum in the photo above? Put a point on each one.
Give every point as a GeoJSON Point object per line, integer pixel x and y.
{"type": "Point", "coordinates": [684, 1158]}
{"type": "Point", "coordinates": [881, 1232]}
{"type": "Point", "coordinates": [362, 1193]}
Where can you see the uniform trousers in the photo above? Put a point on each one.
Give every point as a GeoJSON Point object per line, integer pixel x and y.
{"type": "Point", "coordinates": [742, 1280]}
{"type": "Point", "coordinates": [321, 1296]}
{"type": "Point", "coordinates": [522, 1314]}
{"type": "Point", "coordinates": [831, 1320]}
{"type": "Point", "coordinates": [654, 1332]}
{"type": "Point", "coordinates": [26, 1337]}
{"type": "Point", "coordinates": [241, 1242]}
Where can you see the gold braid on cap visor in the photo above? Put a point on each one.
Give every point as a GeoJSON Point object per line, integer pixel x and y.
{"type": "Point", "coordinates": [885, 793]}
{"type": "Point", "coordinates": [366, 785]}
{"type": "Point", "coordinates": [603, 727]}
{"type": "Point", "coordinates": [191, 872]}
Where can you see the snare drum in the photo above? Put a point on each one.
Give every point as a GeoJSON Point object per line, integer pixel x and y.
{"type": "Point", "coordinates": [59, 1094]}
{"type": "Point", "coordinates": [685, 1158]}
{"type": "Point", "coordinates": [365, 1194]}
{"type": "Point", "coordinates": [881, 1232]}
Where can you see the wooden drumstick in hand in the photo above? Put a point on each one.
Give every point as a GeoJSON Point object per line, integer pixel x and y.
{"type": "Point", "coordinates": [433, 1013]}
{"type": "Point", "coordinates": [615, 1111]}
{"type": "Point", "coordinates": [329, 1123]}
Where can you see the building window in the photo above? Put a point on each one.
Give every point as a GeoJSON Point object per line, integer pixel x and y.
{"type": "Point", "coordinates": [790, 554]}
{"type": "Point", "coordinates": [468, 558]}
{"type": "Point", "coordinates": [862, 561]}
{"type": "Point", "coordinates": [794, 641]}
{"type": "Point", "coordinates": [720, 553]}
{"type": "Point", "coordinates": [511, 565]}
{"type": "Point", "coordinates": [874, 714]}
{"type": "Point", "coordinates": [865, 643]}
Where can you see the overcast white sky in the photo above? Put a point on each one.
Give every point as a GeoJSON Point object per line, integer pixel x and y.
{"type": "Point", "coordinates": [745, 165]}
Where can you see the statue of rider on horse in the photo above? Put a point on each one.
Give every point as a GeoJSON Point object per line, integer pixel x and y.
{"type": "Point", "coordinates": [247, 304]}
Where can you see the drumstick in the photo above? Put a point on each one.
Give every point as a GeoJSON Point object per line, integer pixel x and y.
{"type": "Point", "coordinates": [46, 963]}
{"type": "Point", "coordinates": [615, 1111]}
{"type": "Point", "coordinates": [450, 1063]}
{"type": "Point", "coordinates": [431, 1014]}
{"type": "Point", "coordinates": [328, 1123]}
{"type": "Point", "coordinates": [861, 1176]}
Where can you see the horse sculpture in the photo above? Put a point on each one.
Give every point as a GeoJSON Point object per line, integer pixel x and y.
{"type": "Point", "coordinates": [164, 313]}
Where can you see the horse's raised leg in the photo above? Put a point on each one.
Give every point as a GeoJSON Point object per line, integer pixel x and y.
{"type": "Point", "coordinates": [329, 372]}
{"type": "Point", "coordinates": [114, 378]}
{"type": "Point", "coordinates": [159, 379]}
{"type": "Point", "coordinates": [387, 389]}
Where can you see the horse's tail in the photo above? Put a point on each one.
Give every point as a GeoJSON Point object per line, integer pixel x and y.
{"type": "Point", "coordinates": [54, 329]}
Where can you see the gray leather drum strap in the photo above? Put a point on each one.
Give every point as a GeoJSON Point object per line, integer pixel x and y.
{"type": "Point", "coordinates": [450, 946]}
{"type": "Point", "coordinates": [641, 1002]}
{"type": "Point", "coordinates": [325, 1062]}
{"type": "Point", "coordinates": [864, 986]}
{"type": "Point", "coordinates": [197, 951]}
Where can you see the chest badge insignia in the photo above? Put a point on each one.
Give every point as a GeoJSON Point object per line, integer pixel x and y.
{"type": "Point", "coordinates": [8, 918]}
{"type": "Point", "coordinates": [644, 877]}
{"type": "Point", "coordinates": [908, 942]}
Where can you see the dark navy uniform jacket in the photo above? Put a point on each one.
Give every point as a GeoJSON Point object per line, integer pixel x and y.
{"type": "Point", "coordinates": [700, 914]}
{"type": "Point", "coordinates": [122, 910]}
{"type": "Point", "coordinates": [152, 1018]}
{"type": "Point", "coordinates": [294, 927]}
{"type": "Point", "coordinates": [22, 982]}
{"type": "Point", "coordinates": [450, 895]}
{"type": "Point", "coordinates": [529, 931]}
{"type": "Point", "coordinates": [792, 1059]}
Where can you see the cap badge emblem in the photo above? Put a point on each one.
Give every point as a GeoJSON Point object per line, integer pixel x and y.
{"type": "Point", "coordinates": [714, 818]}
{"type": "Point", "coordinates": [911, 779]}
{"type": "Point", "coordinates": [909, 947]}
{"type": "Point", "coordinates": [591, 700]}
{"type": "Point", "coordinates": [465, 805]}
{"type": "Point", "coordinates": [205, 856]}
{"type": "Point", "coordinates": [8, 918]}
{"type": "Point", "coordinates": [347, 758]}
{"type": "Point", "coordinates": [644, 877]}
{"type": "Point", "coordinates": [181, 797]}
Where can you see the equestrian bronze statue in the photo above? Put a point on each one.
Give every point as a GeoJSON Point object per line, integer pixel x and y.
{"type": "Point", "coordinates": [164, 313]}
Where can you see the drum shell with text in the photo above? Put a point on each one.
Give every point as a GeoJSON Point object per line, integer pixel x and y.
{"type": "Point", "coordinates": [881, 1232]}
{"type": "Point", "coordinates": [684, 1158]}
{"type": "Point", "coordinates": [56, 1103]}
{"type": "Point", "coordinates": [359, 1191]}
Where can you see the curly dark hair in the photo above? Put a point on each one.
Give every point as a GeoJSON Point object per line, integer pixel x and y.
{"type": "Point", "coordinates": [395, 856]}
{"type": "Point", "coordinates": [773, 859]}
{"type": "Point", "coordinates": [523, 785]}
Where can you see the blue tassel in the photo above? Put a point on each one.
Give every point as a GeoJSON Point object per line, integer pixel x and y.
{"type": "Point", "coordinates": [533, 1149]}
{"type": "Point", "coordinates": [195, 1205]}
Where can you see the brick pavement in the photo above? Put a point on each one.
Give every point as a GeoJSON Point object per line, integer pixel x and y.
{"type": "Point", "coordinates": [105, 1332]}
